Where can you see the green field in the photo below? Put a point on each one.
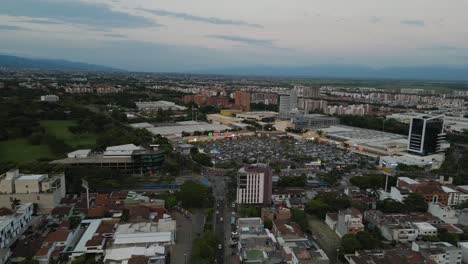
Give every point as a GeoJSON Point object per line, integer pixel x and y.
{"type": "Point", "coordinates": [19, 150]}
{"type": "Point", "coordinates": [59, 128]}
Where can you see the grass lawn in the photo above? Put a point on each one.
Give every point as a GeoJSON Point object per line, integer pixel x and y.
{"type": "Point", "coordinates": [59, 128]}
{"type": "Point", "coordinates": [19, 150]}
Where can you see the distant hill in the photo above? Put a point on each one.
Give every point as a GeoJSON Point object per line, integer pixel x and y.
{"type": "Point", "coordinates": [14, 62]}
{"type": "Point", "coordinates": [445, 73]}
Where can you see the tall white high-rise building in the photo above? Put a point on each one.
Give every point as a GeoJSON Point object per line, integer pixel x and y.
{"type": "Point", "coordinates": [254, 184]}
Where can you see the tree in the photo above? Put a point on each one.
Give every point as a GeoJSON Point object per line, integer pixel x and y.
{"type": "Point", "coordinates": [349, 244]}
{"type": "Point", "coordinates": [268, 224]}
{"type": "Point", "coordinates": [300, 217]}
{"type": "Point", "coordinates": [463, 205]}
{"type": "Point", "coordinates": [293, 181]}
{"type": "Point", "coordinates": [390, 206]}
{"type": "Point", "coordinates": [317, 207]}
{"type": "Point", "coordinates": [366, 240]}
{"type": "Point", "coordinates": [202, 159]}
{"type": "Point", "coordinates": [193, 195]}
{"type": "Point", "coordinates": [79, 260]}
{"type": "Point", "coordinates": [415, 203]}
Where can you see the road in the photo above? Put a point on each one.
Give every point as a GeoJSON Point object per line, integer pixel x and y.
{"type": "Point", "coordinates": [221, 224]}
{"type": "Point", "coordinates": [187, 230]}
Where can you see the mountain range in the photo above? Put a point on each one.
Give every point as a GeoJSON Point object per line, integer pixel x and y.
{"type": "Point", "coordinates": [15, 62]}
{"type": "Point", "coordinates": [434, 72]}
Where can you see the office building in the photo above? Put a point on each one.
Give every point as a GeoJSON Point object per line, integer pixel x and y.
{"type": "Point", "coordinates": [42, 189]}
{"type": "Point", "coordinates": [125, 159]}
{"type": "Point", "coordinates": [315, 121]}
{"type": "Point", "coordinates": [254, 185]}
{"type": "Point", "coordinates": [242, 100]}
{"type": "Point", "coordinates": [426, 135]}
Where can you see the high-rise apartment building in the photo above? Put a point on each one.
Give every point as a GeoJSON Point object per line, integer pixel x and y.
{"type": "Point", "coordinates": [242, 100]}
{"type": "Point", "coordinates": [254, 184]}
{"type": "Point", "coordinates": [426, 135]}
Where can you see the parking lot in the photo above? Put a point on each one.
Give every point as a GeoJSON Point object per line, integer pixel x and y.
{"type": "Point", "coordinates": [268, 150]}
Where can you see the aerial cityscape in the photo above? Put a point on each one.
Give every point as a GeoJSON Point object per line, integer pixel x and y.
{"type": "Point", "coordinates": [256, 132]}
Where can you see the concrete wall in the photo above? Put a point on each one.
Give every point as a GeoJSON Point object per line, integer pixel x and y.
{"type": "Point", "coordinates": [45, 201]}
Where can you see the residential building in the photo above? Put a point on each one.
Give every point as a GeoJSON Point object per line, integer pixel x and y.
{"type": "Point", "coordinates": [425, 229]}
{"type": "Point", "coordinates": [440, 252]}
{"type": "Point", "coordinates": [257, 244]}
{"type": "Point", "coordinates": [349, 222]}
{"type": "Point", "coordinates": [398, 227]}
{"type": "Point", "coordinates": [444, 212]}
{"type": "Point", "coordinates": [426, 135]}
{"type": "Point", "coordinates": [42, 189]}
{"type": "Point", "coordinates": [14, 222]}
{"type": "Point", "coordinates": [331, 219]}
{"type": "Point", "coordinates": [463, 245]}
{"type": "Point", "coordinates": [254, 184]}
{"type": "Point", "coordinates": [126, 159]}
{"type": "Point", "coordinates": [242, 100]}
{"type": "Point", "coordinates": [399, 255]}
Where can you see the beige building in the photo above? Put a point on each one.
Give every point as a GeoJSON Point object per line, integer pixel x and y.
{"type": "Point", "coordinates": [42, 189]}
{"type": "Point", "coordinates": [222, 119]}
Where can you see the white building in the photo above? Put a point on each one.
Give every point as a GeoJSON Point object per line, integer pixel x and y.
{"type": "Point", "coordinates": [13, 225]}
{"type": "Point", "coordinates": [443, 212]}
{"type": "Point", "coordinates": [453, 195]}
{"type": "Point", "coordinates": [155, 254]}
{"type": "Point", "coordinates": [463, 245]}
{"type": "Point", "coordinates": [42, 189]}
{"type": "Point", "coordinates": [425, 229]}
{"type": "Point", "coordinates": [440, 252]}
{"type": "Point", "coordinates": [155, 106]}
{"type": "Point", "coordinates": [349, 222]}
{"type": "Point", "coordinates": [49, 98]}
{"type": "Point", "coordinates": [254, 185]}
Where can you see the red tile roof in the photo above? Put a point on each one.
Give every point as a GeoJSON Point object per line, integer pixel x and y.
{"type": "Point", "coordinates": [60, 235]}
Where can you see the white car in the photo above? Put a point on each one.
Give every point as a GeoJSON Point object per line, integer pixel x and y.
{"type": "Point", "coordinates": [220, 246]}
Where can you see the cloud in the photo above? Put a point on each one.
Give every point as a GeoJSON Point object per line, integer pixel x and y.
{"type": "Point", "coordinates": [42, 22]}
{"type": "Point", "coordinates": [375, 20]}
{"type": "Point", "coordinates": [411, 22]}
{"type": "Point", "coordinates": [75, 12]}
{"type": "Point", "coordinates": [8, 27]}
{"type": "Point", "coordinates": [209, 20]}
{"type": "Point", "coordinates": [441, 48]}
{"type": "Point", "coordinates": [250, 41]}
{"type": "Point", "coordinates": [115, 35]}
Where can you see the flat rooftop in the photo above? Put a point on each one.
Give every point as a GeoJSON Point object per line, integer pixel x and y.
{"type": "Point", "coordinates": [142, 238]}
{"type": "Point", "coordinates": [189, 128]}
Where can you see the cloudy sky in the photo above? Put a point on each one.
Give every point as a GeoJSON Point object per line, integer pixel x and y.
{"type": "Point", "coordinates": [184, 35]}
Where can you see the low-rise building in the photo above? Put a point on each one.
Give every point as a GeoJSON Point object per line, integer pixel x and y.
{"type": "Point", "coordinates": [440, 252]}
{"type": "Point", "coordinates": [126, 159]}
{"type": "Point", "coordinates": [42, 189]}
{"type": "Point", "coordinates": [49, 98]}
{"type": "Point", "coordinates": [463, 245]}
{"type": "Point", "coordinates": [159, 105]}
{"type": "Point", "coordinates": [425, 229]}
{"type": "Point", "coordinates": [349, 222]}
{"type": "Point", "coordinates": [443, 212]}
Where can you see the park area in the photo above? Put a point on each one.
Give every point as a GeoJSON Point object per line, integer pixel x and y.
{"type": "Point", "coordinates": [59, 129]}
{"type": "Point", "coordinates": [22, 150]}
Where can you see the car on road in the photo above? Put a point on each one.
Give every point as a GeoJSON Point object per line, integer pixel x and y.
{"type": "Point", "coordinates": [221, 219]}
{"type": "Point", "coordinates": [220, 246]}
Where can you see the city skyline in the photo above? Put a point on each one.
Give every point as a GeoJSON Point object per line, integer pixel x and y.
{"type": "Point", "coordinates": [202, 35]}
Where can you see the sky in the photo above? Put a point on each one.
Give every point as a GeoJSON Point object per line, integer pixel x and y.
{"type": "Point", "coordinates": [190, 35]}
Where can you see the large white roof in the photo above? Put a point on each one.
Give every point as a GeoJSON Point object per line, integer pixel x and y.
{"type": "Point", "coordinates": [142, 238]}
{"type": "Point", "coordinates": [119, 254]}
{"type": "Point", "coordinates": [169, 130]}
